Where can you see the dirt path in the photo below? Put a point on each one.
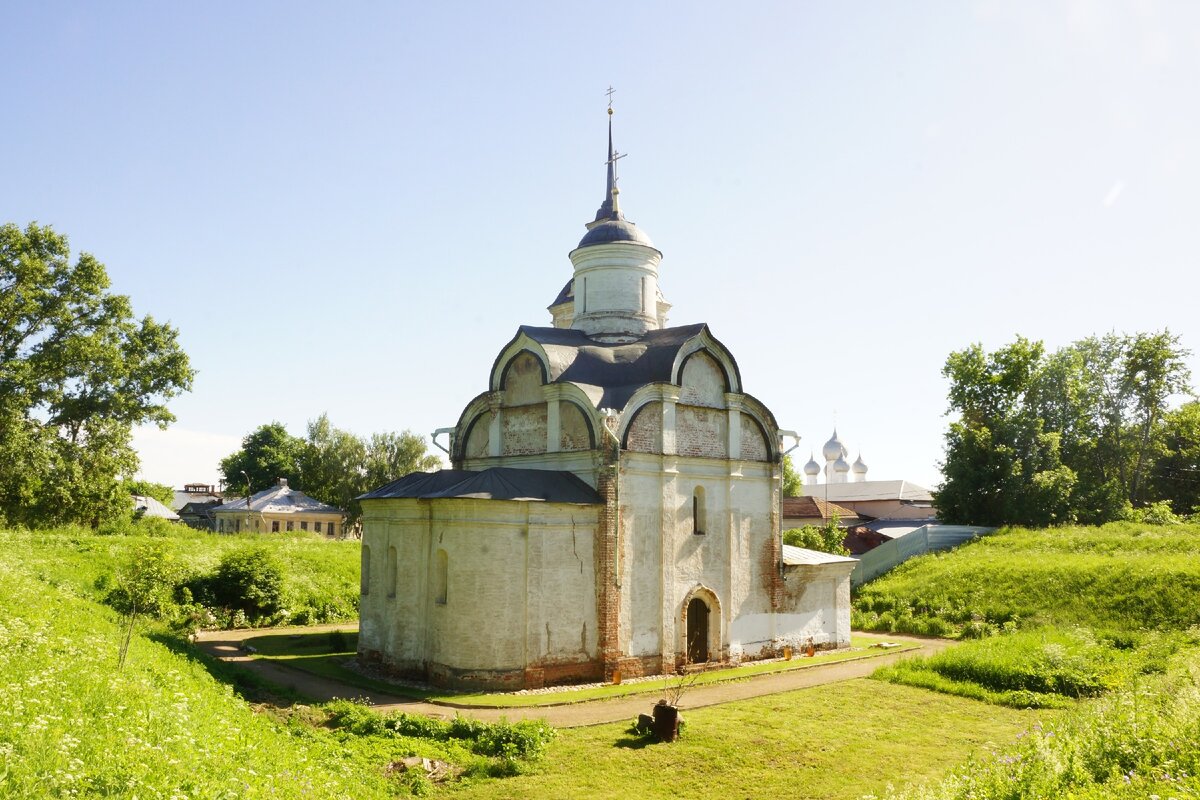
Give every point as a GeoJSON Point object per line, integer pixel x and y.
{"type": "Point", "coordinates": [226, 645]}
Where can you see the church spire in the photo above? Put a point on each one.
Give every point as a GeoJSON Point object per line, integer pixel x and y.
{"type": "Point", "coordinates": [610, 208]}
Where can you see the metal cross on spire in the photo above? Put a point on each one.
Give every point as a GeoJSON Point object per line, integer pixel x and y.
{"type": "Point", "coordinates": [610, 209]}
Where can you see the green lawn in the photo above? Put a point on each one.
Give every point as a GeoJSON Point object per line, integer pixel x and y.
{"type": "Point", "coordinates": [312, 652]}
{"type": "Point", "coordinates": [838, 741]}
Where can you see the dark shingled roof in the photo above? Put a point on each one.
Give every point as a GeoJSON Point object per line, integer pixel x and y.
{"type": "Point", "coordinates": [615, 230]}
{"type": "Point", "coordinates": [567, 293]}
{"type": "Point", "coordinates": [497, 483]}
{"type": "Point", "coordinates": [615, 370]}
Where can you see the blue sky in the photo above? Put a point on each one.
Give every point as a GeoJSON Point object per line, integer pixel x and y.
{"type": "Point", "coordinates": [350, 210]}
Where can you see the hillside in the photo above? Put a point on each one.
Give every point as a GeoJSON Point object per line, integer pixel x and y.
{"type": "Point", "coordinates": [320, 577]}
{"type": "Point", "coordinates": [1119, 577]}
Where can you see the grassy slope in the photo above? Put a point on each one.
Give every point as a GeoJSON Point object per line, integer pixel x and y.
{"type": "Point", "coordinates": [70, 722]}
{"type": "Point", "coordinates": [320, 576]}
{"type": "Point", "coordinates": [1139, 586]}
{"type": "Point", "coordinates": [1120, 576]}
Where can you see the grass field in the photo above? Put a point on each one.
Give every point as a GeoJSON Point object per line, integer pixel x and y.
{"type": "Point", "coordinates": [321, 577]}
{"type": "Point", "coordinates": [325, 654]}
{"type": "Point", "coordinates": [1117, 578]}
{"type": "Point", "coordinates": [1141, 741]}
{"type": "Point", "coordinates": [1106, 613]}
{"type": "Point", "coordinates": [169, 725]}
{"type": "Point", "coordinates": [1042, 667]}
{"type": "Point", "coordinates": [838, 741]}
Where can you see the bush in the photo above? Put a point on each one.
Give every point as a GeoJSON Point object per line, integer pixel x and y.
{"type": "Point", "coordinates": [825, 539]}
{"type": "Point", "coordinates": [525, 740]}
{"type": "Point", "coordinates": [248, 580]}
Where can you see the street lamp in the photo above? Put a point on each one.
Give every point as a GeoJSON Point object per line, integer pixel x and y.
{"type": "Point", "coordinates": [247, 477]}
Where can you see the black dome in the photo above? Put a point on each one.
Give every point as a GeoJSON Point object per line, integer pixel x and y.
{"type": "Point", "coordinates": [615, 230]}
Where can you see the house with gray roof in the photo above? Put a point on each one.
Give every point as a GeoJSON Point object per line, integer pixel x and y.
{"type": "Point", "coordinates": [279, 509]}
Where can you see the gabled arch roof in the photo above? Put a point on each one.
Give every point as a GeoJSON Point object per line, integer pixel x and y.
{"type": "Point", "coordinates": [609, 374]}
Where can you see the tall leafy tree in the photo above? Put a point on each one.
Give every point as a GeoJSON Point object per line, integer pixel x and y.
{"type": "Point", "coordinates": [1175, 476]}
{"type": "Point", "coordinates": [1087, 420]}
{"type": "Point", "coordinates": [268, 453]}
{"type": "Point", "coordinates": [330, 464]}
{"type": "Point", "coordinates": [77, 371]}
{"type": "Point", "coordinates": [793, 485]}
{"type": "Point", "coordinates": [1001, 465]}
{"type": "Point", "coordinates": [393, 455]}
{"type": "Point", "coordinates": [334, 465]}
{"type": "Point", "coordinates": [1154, 370]}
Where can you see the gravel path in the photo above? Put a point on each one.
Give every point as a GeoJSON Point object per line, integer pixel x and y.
{"type": "Point", "coordinates": [226, 645]}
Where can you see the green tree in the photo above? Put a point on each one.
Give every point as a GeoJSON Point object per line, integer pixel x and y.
{"type": "Point", "coordinates": [268, 453]}
{"type": "Point", "coordinates": [1042, 439]}
{"type": "Point", "coordinates": [159, 491]}
{"type": "Point", "coordinates": [1154, 369]}
{"type": "Point", "coordinates": [330, 464]}
{"type": "Point", "coordinates": [825, 538]}
{"type": "Point", "coordinates": [77, 372]}
{"type": "Point", "coordinates": [334, 465]}
{"type": "Point", "coordinates": [1001, 465]}
{"type": "Point", "coordinates": [793, 484]}
{"type": "Point", "coordinates": [339, 466]}
{"type": "Point", "coordinates": [394, 455]}
{"type": "Point", "coordinates": [145, 586]}
{"type": "Point", "coordinates": [1176, 473]}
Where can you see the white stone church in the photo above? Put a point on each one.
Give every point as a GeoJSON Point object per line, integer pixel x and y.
{"type": "Point", "coordinates": [613, 505]}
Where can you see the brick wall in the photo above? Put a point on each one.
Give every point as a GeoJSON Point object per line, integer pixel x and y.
{"type": "Point", "coordinates": [523, 430]}
{"type": "Point", "coordinates": [573, 428]}
{"type": "Point", "coordinates": [645, 432]}
{"type": "Point", "coordinates": [608, 599]}
{"type": "Point", "coordinates": [701, 432]}
{"type": "Point", "coordinates": [754, 447]}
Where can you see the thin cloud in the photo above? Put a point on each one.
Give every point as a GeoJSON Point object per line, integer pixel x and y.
{"type": "Point", "coordinates": [1110, 199]}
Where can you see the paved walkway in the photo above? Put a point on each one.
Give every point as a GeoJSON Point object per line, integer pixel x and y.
{"type": "Point", "coordinates": [226, 645]}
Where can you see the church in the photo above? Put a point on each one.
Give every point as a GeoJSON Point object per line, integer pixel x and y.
{"type": "Point", "coordinates": [613, 506]}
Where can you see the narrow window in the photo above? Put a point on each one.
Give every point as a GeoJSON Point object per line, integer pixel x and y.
{"type": "Point", "coordinates": [699, 512]}
{"type": "Point", "coordinates": [237, 526]}
{"type": "Point", "coordinates": [391, 572]}
{"type": "Point", "coordinates": [290, 524]}
{"type": "Point", "coordinates": [582, 295]}
{"type": "Point", "coordinates": [365, 576]}
{"type": "Point", "coordinates": [303, 524]}
{"type": "Point", "coordinates": [439, 578]}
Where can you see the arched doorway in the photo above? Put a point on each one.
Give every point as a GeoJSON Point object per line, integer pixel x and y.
{"type": "Point", "coordinates": [697, 631]}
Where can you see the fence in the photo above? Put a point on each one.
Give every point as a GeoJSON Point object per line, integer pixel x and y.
{"type": "Point", "coordinates": [927, 539]}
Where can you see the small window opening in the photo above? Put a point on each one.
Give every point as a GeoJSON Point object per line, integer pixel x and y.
{"type": "Point", "coordinates": [699, 512]}
{"type": "Point", "coordinates": [391, 572]}
{"type": "Point", "coordinates": [441, 571]}
{"type": "Point", "coordinates": [365, 575]}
